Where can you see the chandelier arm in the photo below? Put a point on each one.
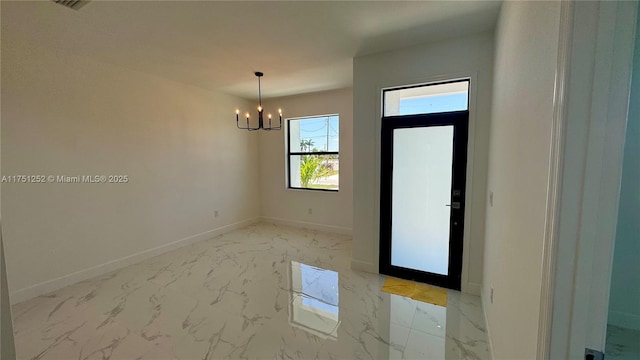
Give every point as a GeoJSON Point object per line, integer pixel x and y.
{"type": "Point", "coordinates": [245, 128]}
{"type": "Point", "coordinates": [279, 127]}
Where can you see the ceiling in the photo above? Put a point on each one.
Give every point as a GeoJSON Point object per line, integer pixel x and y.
{"type": "Point", "coordinates": [301, 46]}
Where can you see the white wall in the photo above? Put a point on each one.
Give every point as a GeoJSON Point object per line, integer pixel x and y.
{"type": "Point", "coordinates": [624, 303]}
{"type": "Point", "coordinates": [330, 210]}
{"type": "Point", "coordinates": [470, 56]}
{"type": "Point", "coordinates": [7, 347]}
{"type": "Point", "coordinates": [525, 64]}
{"type": "Point", "coordinates": [68, 115]}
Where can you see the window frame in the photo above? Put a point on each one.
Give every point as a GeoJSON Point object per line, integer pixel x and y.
{"type": "Point", "coordinates": [290, 153]}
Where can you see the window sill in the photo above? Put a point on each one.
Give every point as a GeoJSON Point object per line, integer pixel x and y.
{"type": "Point", "coordinates": [311, 189]}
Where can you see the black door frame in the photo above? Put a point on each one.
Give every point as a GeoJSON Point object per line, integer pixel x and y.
{"type": "Point", "coordinates": [460, 122]}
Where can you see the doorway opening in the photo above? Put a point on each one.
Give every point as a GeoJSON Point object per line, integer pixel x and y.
{"type": "Point", "coordinates": [423, 180]}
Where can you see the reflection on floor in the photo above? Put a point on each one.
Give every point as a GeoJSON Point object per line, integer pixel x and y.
{"type": "Point", "coordinates": [260, 292]}
{"type": "Point", "coordinates": [315, 304]}
{"type": "Point", "coordinates": [622, 344]}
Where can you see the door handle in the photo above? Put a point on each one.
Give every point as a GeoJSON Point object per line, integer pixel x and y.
{"type": "Point", "coordinates": [454, 205]}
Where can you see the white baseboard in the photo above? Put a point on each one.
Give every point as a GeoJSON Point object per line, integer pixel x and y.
{"type": "Point", "coordinates": [486, 323]}
{"type": "Point", "coordinates": [307, 225]}
{"type": "Point", "coordinates": [472, 288]}
{"type": "Point", "coordinates": [364, 266]}
{"type": "Point", "coordinates": [624, 320]}
{"type": "Point", "coordinates": [69, 279]}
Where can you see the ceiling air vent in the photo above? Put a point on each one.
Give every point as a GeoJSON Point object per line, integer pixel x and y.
{"type": "Point", "coordinates": [73, 4]}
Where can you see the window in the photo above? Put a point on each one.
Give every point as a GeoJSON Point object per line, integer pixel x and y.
{"type": "Point", "coordinates": [313, 152]}
{"type": "Point", "coordinates": [427, 99]}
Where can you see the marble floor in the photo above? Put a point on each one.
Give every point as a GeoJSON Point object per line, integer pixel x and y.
{"type": "Point", "coordinates": [622, 344]}
{"type": "Point", "coordinates": [261, 292]}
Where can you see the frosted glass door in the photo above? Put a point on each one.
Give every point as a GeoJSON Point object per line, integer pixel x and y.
{"type": "Point", "coordinates": [421, 195]}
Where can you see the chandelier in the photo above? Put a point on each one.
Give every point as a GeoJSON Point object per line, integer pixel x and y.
{"type": "Point", "coordinates": [261, 124]}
